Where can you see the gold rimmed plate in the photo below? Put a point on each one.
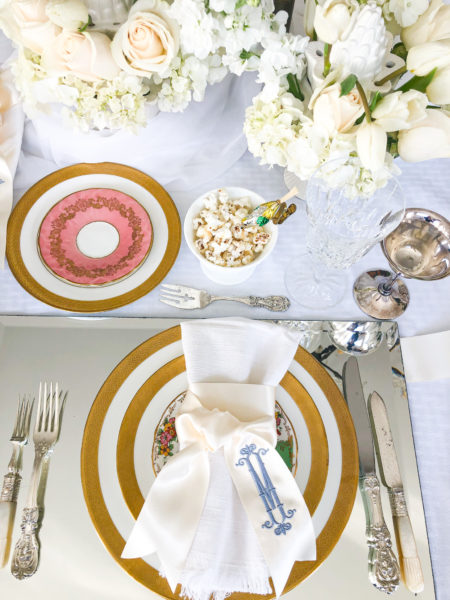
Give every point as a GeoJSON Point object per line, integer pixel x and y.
{"type": "Point", "coordinates": [161, 239]}
{"type": "Point", "coordinates": [120, 433]}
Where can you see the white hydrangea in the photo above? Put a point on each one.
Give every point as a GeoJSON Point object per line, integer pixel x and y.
{"type": "Point", "coordinates": [401, 13]}
{"type": "Point", "coordinates": [281, 132]}
{"type": "Point", "coordinates": [112, 104]}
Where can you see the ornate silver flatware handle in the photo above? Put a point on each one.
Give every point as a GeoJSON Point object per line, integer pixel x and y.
{"type": "Point", "coordinates": [384, 572]}
{"type": "Point", "coordinates": [25, 558]}
{"type": "Point", "coordinates": [273, 303]}
{"type": "Point", "coordinates": [8, 500]}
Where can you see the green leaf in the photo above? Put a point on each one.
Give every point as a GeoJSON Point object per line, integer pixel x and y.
{"type": "Point", "coordinates": [392, 146]}
{"type": "Point", "coordinates": [348, 84]}
{"type": "Point", "coordinates": [400, 50]}
{"type": "Point", "coordinates": [86, 25]}
{"type": "Point", "coordinates": [418, 83]}
{"type": "Point", "coordinates": [377, 97]}
{"type": "Point", "coordinates": [294, 86]}
{"type": "Point", "coordinates": [246, 54]}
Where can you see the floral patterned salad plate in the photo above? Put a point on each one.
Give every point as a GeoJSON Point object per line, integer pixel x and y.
{"type": "Point", "coordinates": [93, 237]}
{"type": "Point", "coordinates": [130, 434]}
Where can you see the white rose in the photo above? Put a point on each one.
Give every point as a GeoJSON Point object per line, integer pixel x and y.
{"type": "Point", "coordinates": [336, 112]}
{"type": "Point", "coordinates": [26, 23]}
{"type": "Point", "coordinates": [371, 140]}
{"type": "Point", "coordinates": [69, 14]}
{"type": "Point", "coordinates": [85, 55]}
{"type": "Point", "coordinates": [429, 139]}
{"type": "Point", "coordinates": [333, 19]}
{"type": "Point", "coordinates": [425, 57]}
{"type": "Point", "coordinates": [438, 90]}
{"type": "Point", "coordinates": [149, 41]}
{"type": "Point", "coordinates": [433, 25]}
{"type": "Point", "coordinates": [400, 110]}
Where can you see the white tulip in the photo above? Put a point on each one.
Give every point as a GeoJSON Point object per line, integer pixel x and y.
{"type": "Point", "coordinates": [400, 110]}
{"type": "Point", "coordinates": [69, 14]}
{"type": "Point", "coordinates": [334, 19]}
{"type": "Point", "coordinates": [433, 25]}
{"type": "Point", "coordinates": [425, 57]}
{"type": "Point", "coordinates": [430, 139]}
{"type": "Point", "coordinates": [308, 17]}
{"type": "Point", "coordinates": [438, 90]}
{"type": "Point", "coordinates": [371, 140]}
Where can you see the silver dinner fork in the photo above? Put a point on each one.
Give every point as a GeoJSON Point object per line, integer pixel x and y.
{"type": "Point", "coordinates": [11, 481]}
{"type": "Point", "coordinates": [25, 558]}
{"type": "Point", "coordinates": [184, 297]}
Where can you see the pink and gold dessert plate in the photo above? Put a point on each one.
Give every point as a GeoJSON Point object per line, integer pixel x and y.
{"type": "Point", "coordinates": [93, 237]}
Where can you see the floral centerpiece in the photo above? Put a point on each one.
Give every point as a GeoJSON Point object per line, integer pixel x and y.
{"type": "Point", "coordinates": [162, 55]}
{"type": "Point", "coordinates": [362, 95]}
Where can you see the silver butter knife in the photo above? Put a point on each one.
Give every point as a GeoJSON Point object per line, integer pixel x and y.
{"type": "Point", "coordinates": [384, 572]}
{"type": "Point", "coordinates": [410, 566]}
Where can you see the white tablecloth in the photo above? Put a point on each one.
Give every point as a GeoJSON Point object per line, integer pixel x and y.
{"type": "Point", "coordinates": [425, 185]}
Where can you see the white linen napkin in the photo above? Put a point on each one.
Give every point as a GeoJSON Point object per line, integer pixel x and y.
{"type": "Point", "coordinates": [240, 351]}
{"type": "Point", "coordinates": [227, 553]}
{"type": "Point", "coordinates": [426, 357]}
{"type": "Point", "coordinates": [11, 131]}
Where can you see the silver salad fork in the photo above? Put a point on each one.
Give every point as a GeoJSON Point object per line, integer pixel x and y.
{"type": "Point", "coordinates": [11, 481]}
{"type": "Point", "coordinates": [25, 558]}
{"type": "Point", "coordinates": [181, 296]}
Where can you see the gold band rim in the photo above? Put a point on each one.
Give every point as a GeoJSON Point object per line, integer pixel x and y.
{"type": "Point", "coordinates": [105, 526]}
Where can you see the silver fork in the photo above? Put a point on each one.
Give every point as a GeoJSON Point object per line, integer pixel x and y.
{"type": "Point", "coordinates": [184, 297]}
{"type": "Point", "coordinates": [11, 481]}
{"type": "Point", "coordinates": [25, 558]}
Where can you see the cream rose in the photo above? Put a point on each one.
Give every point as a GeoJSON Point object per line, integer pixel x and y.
{"type": "Point", "coordinates": [148, 42]}
{"type": "Point", "coordinates": [400, 110]}
{"type": "Point", "coordinates": [69, 14]}
{"type": "Point", "coordinates": [433, 25]}
{"type": "Point", "coordinates": [26, 23]}
{"type": "Point", "coordinates": [429, 139]}
{"type": "Point", "coordinates": [371, 140]}
{"type": "Point", "coordinates": [335, 112]}
{"type": "Point", "coordinates": [85, 55]}
{"type": "Point", "coordinates": [333, 19]}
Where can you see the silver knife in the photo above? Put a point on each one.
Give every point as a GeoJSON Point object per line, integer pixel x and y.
{"type": "Point", "coordinates": [411, 569]}
{"type": "Point", "coordinates": [384, 572]}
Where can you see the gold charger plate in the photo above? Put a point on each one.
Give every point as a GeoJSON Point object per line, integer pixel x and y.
{"type": "Point", "coordinates": [28, 200]}
{"type": "Point", "coordinates": [90, 474]}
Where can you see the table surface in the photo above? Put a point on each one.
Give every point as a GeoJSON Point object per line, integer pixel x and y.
{"type": "Point", "coordinates": [425, 185]}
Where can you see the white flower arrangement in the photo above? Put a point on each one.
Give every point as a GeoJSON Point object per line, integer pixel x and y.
{"type": "Point", "coordinates": [353, 100]}
{"type": "Point", "coordinates": [164, 55]}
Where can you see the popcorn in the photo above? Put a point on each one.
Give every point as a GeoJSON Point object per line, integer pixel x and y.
{"type": "Point", "coordinates": [219, 236]}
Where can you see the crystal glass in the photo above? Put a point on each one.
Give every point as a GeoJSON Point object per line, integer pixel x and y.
{"type": "Point", "coordinates": [342, 227]}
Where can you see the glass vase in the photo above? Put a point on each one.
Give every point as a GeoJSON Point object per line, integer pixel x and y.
{"type": "Point", "coordinates": [343, 225]}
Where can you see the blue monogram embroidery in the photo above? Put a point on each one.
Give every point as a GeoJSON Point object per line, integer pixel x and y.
{"type": "Point", "coordinates": [267, 491]}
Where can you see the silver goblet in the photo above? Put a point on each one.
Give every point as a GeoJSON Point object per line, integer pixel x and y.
{"type": "Point", "coordinates": [419, 248]}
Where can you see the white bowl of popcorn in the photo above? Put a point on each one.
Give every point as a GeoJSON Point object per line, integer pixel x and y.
{"type": "Point", "coordinates": [228, 253]}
